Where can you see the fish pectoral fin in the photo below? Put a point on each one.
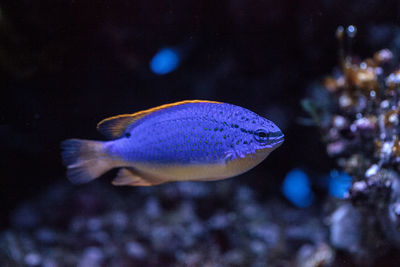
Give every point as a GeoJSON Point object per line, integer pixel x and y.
{"type": "Point", "coordinates": [127, 176]}
{"type": "Point", "coordinates": [232, 154]}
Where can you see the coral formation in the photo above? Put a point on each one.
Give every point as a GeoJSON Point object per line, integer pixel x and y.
{"type": "Point", "coordinates": [357, 111]}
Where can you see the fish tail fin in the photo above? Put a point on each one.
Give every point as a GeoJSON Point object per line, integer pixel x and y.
{"type": "Point", "coordinates": [85, 160]}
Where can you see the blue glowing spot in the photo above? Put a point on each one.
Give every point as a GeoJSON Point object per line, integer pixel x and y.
{"type": "Point", "coordinates": [296, 188]}
{"type": "Point", "coordinates": [164, 61]}
{"type": "Point", "coordinates": [339, 184]}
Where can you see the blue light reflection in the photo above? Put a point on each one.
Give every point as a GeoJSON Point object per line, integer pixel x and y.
{"type": "Point", "coordinates": [339, 184]}
{"type": "Point", "coordinates": [296, 188]}
{"type": "Point", "coordinates": [164, 61]}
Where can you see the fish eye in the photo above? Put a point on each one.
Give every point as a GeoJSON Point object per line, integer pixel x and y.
{"type": "Point", "coordinates": [261, 135]}
{"type": "Point", "coordinates": [128, 134]}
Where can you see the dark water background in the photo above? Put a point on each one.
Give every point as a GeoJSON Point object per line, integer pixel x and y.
{"type": "Point", "coordinates": [65, 65]}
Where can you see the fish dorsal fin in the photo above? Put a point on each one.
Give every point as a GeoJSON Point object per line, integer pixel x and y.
{"type": "Point", "coordinates": [114, 127]}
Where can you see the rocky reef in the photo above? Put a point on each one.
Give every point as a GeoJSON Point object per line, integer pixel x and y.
{"type": "Point", "coordinates": [179, 224]}
{"type": "Point", "coordinates": [357, 112]}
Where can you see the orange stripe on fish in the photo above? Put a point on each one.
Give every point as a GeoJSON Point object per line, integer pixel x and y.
{"type": "Point", "coordinates": [114, 127]}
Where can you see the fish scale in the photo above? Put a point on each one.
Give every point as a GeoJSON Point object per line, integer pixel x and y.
{"type": "Point", "coordinates": [188, 140]}
{"type": "Point", "coordinates": [199, 130]}
{"type": "Point", "coordinates": [174, 147]}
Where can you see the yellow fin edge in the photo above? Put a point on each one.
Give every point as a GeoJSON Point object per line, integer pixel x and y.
{"type": "Point", "coordinates": [115, 131]}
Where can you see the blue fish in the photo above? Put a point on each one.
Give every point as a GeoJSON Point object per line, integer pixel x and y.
{"type": "Point", "coordinates": [193, 140]}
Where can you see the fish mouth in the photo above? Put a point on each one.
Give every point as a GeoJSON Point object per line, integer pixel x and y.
{"type": "Point", "coordinates": [280, 139]}
{"type": "Point", "coordinates": [273, 143]}
{"type": "Point", "coordinates": [276, 141]}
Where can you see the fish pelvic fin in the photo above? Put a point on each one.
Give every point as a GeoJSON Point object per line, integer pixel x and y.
{"type": "Point", "coordinates": [85, 160]}
{"type": "Point", "coordinates": [129, 176]}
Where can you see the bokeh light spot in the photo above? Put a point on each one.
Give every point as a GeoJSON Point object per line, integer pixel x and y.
{"type": "Point", "coordinates": [164, 61]}
{"type": "Point", "coordinates": [297, 189]}
{"type": "Point", "coordinates": [339, 184]}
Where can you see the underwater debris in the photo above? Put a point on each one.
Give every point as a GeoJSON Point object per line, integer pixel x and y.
{"type": "Point", "coordinates": [319, 255]}
{"type": "Point", "coordinates": [346, 228]}
{"type": "Point", "coordinates": [360, 126]}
